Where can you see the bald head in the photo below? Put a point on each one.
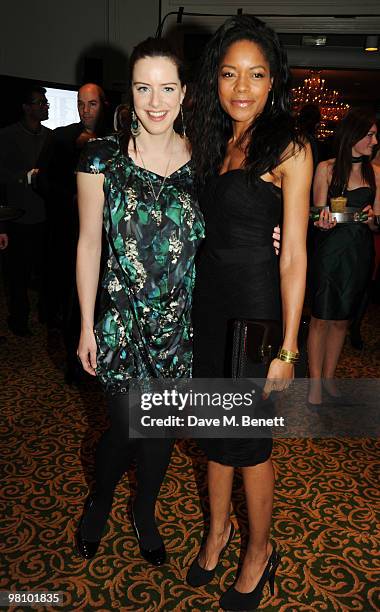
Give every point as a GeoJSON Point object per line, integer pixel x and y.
{"type": "Point", "coordinates": [91, 99]}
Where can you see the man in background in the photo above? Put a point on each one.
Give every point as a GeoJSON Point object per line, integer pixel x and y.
{"type": "Point", "coordinates": [68, 143]}
{"type": "Point", "coordinates": [21, 145]}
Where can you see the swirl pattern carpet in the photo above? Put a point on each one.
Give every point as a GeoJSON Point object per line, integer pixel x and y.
{"type": "Point", "coordinates": [325, 518]}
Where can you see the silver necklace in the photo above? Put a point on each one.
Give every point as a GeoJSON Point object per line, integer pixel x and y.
{"type": "Point", "coordinates": [154, 194]}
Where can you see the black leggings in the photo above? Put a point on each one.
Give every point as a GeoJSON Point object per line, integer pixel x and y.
{"type": "Point", "coordinates": [114, 454]}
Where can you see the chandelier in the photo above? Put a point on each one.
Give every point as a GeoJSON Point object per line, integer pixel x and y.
{"type": "Point", "coordinates": [314, 90]}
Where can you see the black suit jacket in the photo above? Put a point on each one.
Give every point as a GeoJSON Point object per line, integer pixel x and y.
{"type": "Point", "coordinates": [60, 170]}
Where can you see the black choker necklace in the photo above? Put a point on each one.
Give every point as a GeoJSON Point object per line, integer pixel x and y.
{"type": "Point", "coordinates": [358, 160]}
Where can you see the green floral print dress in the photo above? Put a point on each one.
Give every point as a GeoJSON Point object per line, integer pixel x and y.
{"type": "Point", "coordinates": [144, 324]}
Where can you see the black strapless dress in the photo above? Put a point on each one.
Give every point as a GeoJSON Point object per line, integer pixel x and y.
{"type": "Point", "coordinates": [341, 264]}
{"type": "Point", "coordinates": [237, 277]}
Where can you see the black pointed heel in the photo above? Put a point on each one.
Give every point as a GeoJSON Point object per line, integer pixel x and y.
{"type": "Point", "coordinates": [87, 549]}
{"type": "Point", "coordinates": [198, 576]}
{"type": "Point", "coordinates": [233, 600]}
{"type": "Point", "coordinates": [154, 556]}
{"type": "Point", "coordinates": [271, 580]}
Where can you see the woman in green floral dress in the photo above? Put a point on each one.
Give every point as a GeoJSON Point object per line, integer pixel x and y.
{"type": "Point", "coordinates": [144, 327]}
{"type": "Point", "coordinates": [139, 187]}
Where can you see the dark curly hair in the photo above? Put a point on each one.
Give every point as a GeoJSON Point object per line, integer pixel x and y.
{"type": "Point", "coordinates": [355, 125]}
{"type": "Point", "coordinates": [151, 47]}
{"type": "Point", "coordinates": [210, 127]}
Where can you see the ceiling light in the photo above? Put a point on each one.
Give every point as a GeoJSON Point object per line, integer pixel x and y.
{"type": "Point", "coordinates": [371, 43]}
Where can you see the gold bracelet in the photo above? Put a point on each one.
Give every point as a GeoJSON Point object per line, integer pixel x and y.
{"type": "Point", "coordinates": [288, 356]}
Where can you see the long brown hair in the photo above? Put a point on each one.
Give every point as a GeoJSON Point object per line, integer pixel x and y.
{"type": "Point", "coordinates": [355, 125]}
{"type": "Point", "coordinates": [151, 47]}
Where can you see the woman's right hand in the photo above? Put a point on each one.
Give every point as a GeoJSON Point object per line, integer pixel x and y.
{"type": "Point", "coordinates": [279, 377]}
{"type": "Point", "coordinates": [326, 220]}
{"type": "Point", "coordinates": [87, 351]}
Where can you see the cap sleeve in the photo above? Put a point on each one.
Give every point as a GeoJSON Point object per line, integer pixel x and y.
{"type": "Point", "coordinates": [95, 155]}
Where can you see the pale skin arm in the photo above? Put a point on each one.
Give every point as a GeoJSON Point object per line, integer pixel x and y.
{"type": "Point", "coordinates": [296, 174]}
{"type": "Point", "coordinates": [90, 204]}
{"type": "Point", "coordinates": [321, 184]}
{"type": "Point", "coordinates": [320, 196]}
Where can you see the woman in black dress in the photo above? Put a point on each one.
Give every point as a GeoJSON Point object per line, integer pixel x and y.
{"type": "Point", "coordinates": [254, 172]}
{"type": "Point", "coordinates": [342, 259]}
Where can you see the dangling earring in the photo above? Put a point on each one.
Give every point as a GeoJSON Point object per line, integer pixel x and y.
{"type": "Point", "coordinates": [135, 127]}
{"type": "Point", "coordinates": [183, 123]}
{"type": "Point", "coordinates": [272, 105]}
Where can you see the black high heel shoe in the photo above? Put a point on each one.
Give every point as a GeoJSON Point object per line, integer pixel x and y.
{"type": "Point", "coordinates": [155, 556]}
{"type": "Point", "coordinates": [234, 600]}
{"type": "Point", "coordinates": [198, 576]}
{"type": "Point", "coordinates": [87, 549]}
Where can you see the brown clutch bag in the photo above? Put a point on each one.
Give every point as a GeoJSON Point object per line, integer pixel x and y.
{"type": "Point", "coordinates": [254, 344]}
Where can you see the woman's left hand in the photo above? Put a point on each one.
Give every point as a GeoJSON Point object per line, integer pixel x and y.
{"type": "Point", "coordinates": [276, 238]}
{"type": "Point", "coordinates": [279, 377]}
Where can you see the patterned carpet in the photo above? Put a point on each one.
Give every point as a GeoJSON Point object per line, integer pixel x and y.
{"type": "Point", "coordinates": [324, 514]}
